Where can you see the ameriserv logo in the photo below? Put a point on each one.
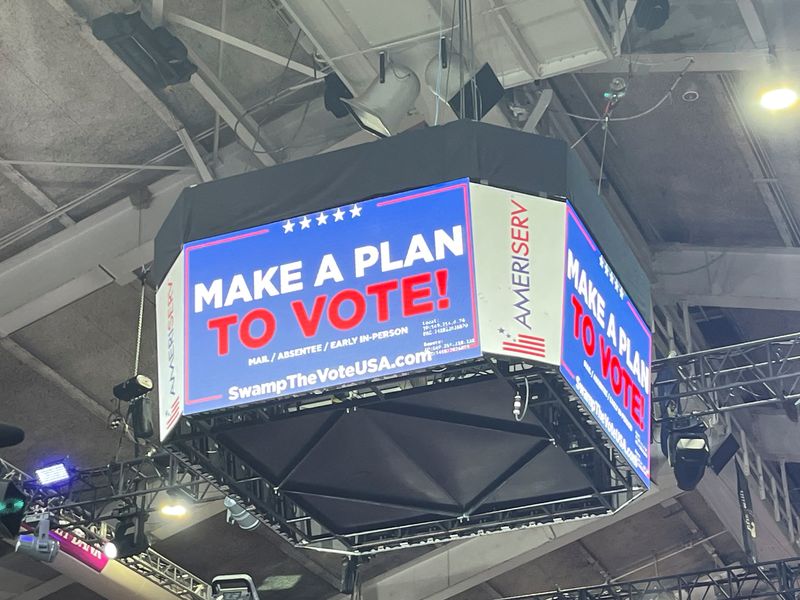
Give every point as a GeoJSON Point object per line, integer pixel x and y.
{"type": "Point", "coordinates": [175, 405]}
{"type": "Point", "coordinates": [520, 267]}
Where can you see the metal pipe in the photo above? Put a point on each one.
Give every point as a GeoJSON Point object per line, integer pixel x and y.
{"type": "Point", "coordinates": [668, 555]}
{"type": "Point", "coordinates": [82, 165]}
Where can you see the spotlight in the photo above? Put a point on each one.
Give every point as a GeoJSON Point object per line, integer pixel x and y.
{"type": "Point", "coordinates": [779, 98]}
{"type": "Point", "coordinates": [237, 514]}
{"type": "Point", "coordinates": [688, 451]}
{"type": "Point", "coordinates": [52, 475]}
{"type": "Point", "coordinates": [174, 509]}
{"type": "Point", "coordinates": [135, 387]}
{"type": "Point", "coordinates": [12, 509]}
{"type": "Point", "coordinates": [129, 537]}
{"type": "Point", "coordinates": [110, 550]}
{"type": "Point", "coordinates": [385, 104]}
{"type": "Point", "coordinates": [39, 545]}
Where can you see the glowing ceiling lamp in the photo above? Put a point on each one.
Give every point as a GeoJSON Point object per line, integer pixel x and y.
{"type": "Point", "coordinates": [174, 509]}
{"type": "Point", "coordinates": [53, 474]}
{"type": "Point", "coordinates": [778, 98]}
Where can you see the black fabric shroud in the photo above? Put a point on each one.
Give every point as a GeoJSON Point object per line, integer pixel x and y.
{"type": "Point", "coordinates": [484, 153]}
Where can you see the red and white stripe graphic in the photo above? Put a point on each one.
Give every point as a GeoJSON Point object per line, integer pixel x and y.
{"type": "Point", "coordinates": [174, 412]}
{"type": "Point", "coordinates": [526, 344]}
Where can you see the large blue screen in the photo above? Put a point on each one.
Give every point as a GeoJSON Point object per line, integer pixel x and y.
{"type": "Point", "coordinates": [605, 353]}
{"type": "Point", "coordinates": [349, 294]}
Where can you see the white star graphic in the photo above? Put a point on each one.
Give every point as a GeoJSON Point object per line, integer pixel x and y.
{"type": "Point", "coordinates": [355, 211]}
{"type": "Point", "coordinates": [305, 222]}
{"type": "Point", "coordinates": [322, 219]}
{"type": "Point", "coordinates": [338, 215]}
{"type": "Point", "coordinates": [288, 226]}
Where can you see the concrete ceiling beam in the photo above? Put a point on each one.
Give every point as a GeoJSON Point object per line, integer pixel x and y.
{"type": "Point", "coordinates": [236, 42]}
{"type": "Point", "coordinates": [704, 62]}
{"type": "Point", "coordinates": [763, 278]}
{"type": "Point", "coordinates": [32, 191]}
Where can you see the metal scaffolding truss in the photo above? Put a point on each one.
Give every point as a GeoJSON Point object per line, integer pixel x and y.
{"type": "Point", "coordinates": [774, 579]}
{"type": "Point", "coordinates": [83, 506]}
{"type": "Point", "coordinates": [759, 372]}
{"type": "Point", "coordinates": [120, 488]}
{"type": "Point", "coordinates": [722, 380]}
{"type": "Point", "coordinates": [569, 427]}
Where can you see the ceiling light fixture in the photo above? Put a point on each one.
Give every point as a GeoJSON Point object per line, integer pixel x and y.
{"type": "Point", "coordinates": [129, 537]}
{"type": "Point", "coordinates": [110, 550]}
{"type": "Point", "coordinates": [779, 98]}
{"type": "Point", "coordinates": [174, 509]}
{"type": "Point", "coordinates": [53, 474]}
{"type": "Point", "coordinates": [387, 100]}
{"type": "Point", "coordinates": [239, 515]}
{"type": "Point", "coordinates": [688, 451]}
{"type": "Point", "coordinates": [39, 545]}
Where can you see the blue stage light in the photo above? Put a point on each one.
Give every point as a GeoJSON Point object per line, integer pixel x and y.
{"type": "Point", "coordinates": [52, 474]}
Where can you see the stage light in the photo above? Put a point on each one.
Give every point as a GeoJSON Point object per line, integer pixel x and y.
{"type": "Point", "coordinates": [39, 545]}
{"type": "Point", "coordinates": [174, 509]}
{"type": "Point", "coordinates": [52, 474]}
{"type": "Point", "coordinates": [133, 388]}
{"type": "Point", "coordinates": [237, 514]}
{"type": "Point", "coordinates": [384, 105]}
{"type": "Point", "coordinates": [779, 98]}
{"type": "Point", "coordinates": [129, 537]}
{"type": "Point", "coordinates": [12, 509]}
{"type": "Point", "coordinates": [110, 550]}
{"type": "Point", "coordinates": [688, 451]}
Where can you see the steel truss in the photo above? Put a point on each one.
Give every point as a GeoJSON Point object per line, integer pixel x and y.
{"type": "Point", "coordinates": [567, 424]}
{"type": "Point", "coordinates": [105, 493]}
{"type": "Point", "coordinates": [759, 372]}
{"type": "Point", "coordinates": [774, 579]}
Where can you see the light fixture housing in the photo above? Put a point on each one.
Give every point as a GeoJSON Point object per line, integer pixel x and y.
{"type": "Point", "coordinates": [12, 509]}
{"type": "Point", "coordinates": [53, 474]}
{"type": "Point", "coordinates": [129, 536]}
{"type": "Point", "coordinates": [384, 105]}
{"type": "Point", "coordinates": [688, 451]}
{"type": "Point", "coordinates": [239, 515]}
{"type": "Point", "coordinates": [39, 544]}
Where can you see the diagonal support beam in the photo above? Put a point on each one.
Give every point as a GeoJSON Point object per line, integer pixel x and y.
{"type": "Point", "coordinates": [753, 22]}
{"type": "Point", "coordinates": [233, 118]}
{"type": "Point", "coordinates": [134, 82]}
{"type": "Point", "coordinates": [116, 63]}
{"type": "Point", "coordinates": [213, 91]}
{"type": "Point", "coordinates": [730, 277]}
{"type": "Point", "coordinates": [242, 45]}
{"type": "Point", "coordinates": [32, 191]}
